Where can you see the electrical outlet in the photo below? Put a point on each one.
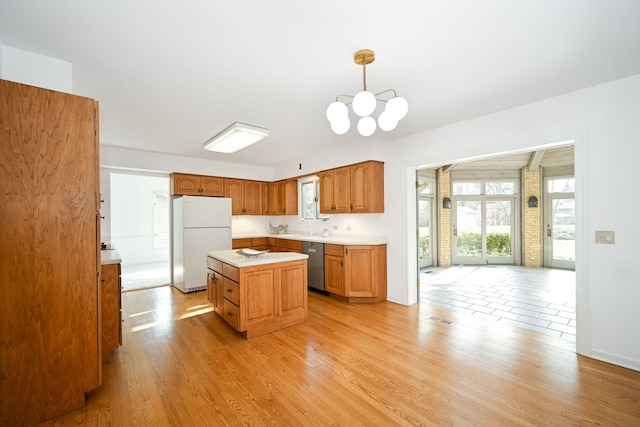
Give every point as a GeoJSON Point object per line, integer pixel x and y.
{"type": "Point", "coordinates": [335, 227]}
{"type": "Point", "coordinates": [348, 227]}
{"type": "Point", "coordinates": [605, 237]}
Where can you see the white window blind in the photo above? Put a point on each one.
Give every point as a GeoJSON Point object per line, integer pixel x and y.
{"type": "Point", "coordinates": [161, 220]}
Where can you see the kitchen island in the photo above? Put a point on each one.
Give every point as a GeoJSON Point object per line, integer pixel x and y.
{"type": "Point", "coordinates": [258, 295]}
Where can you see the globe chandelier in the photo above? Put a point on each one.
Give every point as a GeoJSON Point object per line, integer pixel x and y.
{"type": "Point", "coordinates": [364, 104]}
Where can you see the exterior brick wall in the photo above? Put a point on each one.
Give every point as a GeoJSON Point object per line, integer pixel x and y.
{"type": "Point", "coordinates": [531, 240]}
{"type": "Point", "coordinates": [444, 251]}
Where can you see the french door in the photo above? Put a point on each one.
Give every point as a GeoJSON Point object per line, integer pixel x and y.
{"type": "Point", "coordinates": [483, 230]}
{"type": "Point", "coordinates": [425, 231]}
{"type": "Point", "coordinates": [560, 224]}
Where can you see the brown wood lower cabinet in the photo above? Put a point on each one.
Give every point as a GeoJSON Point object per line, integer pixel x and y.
{"type": "Point", "coordinates": [111, 306]}
{"type": "Point", "coordinates": [259, 299]}
{"type": "Point", "coordinates": [356, 273]}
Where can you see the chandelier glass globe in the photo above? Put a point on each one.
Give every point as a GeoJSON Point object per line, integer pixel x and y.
{"type": "Point", "coordinates": [366, 126]}
{"type": "Point", "coordinates": [387, 121]}
{"type": "Point", "coordinates": [398, 107]}
{"type": "Point", "coordinates": [341, 125]}
{"type": "Point", "coordinates": [364, 103]}
{"type": "Point", "coordinates": [337, 110]}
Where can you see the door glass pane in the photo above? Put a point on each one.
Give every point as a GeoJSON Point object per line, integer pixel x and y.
{"type": "Point", "coordinates": [499, 228]}
{"type": "Point", "coordinates": [469, 228]}
{"type": "Point", "coordinates": [561, 185]}
{"type": "Point", "coordinates": [424, 223]}
{"type": "Point", "coordinates": [500, 187]}
{"type": "Point", "coordinates": [564, 229]}
{"type": "Point", "coordinates": [467, 188]}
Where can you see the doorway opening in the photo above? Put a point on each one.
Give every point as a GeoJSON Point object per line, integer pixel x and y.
{"type": "Point", "coordinates": [140, 228]}
{"type": "Point", "coordinates": [487, 235]}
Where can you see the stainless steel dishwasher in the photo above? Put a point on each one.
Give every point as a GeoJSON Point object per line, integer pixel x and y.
{"type": "Point", "coordinates": [315, 264]}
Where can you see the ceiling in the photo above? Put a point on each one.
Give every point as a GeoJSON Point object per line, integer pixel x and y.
{"type": "Point", "coordinates": [170, 76]}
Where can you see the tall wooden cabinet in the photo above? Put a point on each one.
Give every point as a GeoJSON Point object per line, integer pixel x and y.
{"type": "Point", "coordinates": [50, 352]}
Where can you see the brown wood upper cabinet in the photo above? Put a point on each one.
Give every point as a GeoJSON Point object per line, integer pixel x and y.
{"type": "Point", "coordinates": [196, 185]}
{"type": "Point", "coordinates": [280, 198]}
{"type": "Point", "coordinates": [357, 188]}
{"type": "Point", "coordinates": [246, 196]}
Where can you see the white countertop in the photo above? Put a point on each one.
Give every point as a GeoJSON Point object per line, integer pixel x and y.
{"type": "Point", "coordinates": [337, 239]}
{"type": "Point", "coordinates": [110, 256]}
{"type": "Point", "coordinates": [232, 258]}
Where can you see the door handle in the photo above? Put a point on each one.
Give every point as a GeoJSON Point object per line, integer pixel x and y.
{"type": "Point", "coordinates": [455, 230]}
{"type": "Point", "coordinates": [548, 230]}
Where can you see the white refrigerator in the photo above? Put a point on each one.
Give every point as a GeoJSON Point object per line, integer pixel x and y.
{"type": "Point", "coordinates": [199, 225]}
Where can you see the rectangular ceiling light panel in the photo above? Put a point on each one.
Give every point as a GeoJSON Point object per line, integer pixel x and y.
{"type": "Point", "coordinates": [235, 138]}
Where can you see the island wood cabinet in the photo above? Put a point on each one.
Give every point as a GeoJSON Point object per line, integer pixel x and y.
{"type": "Point", "coordinates": [358, 188]}
{"type": "Point", "coordinates": [246, 196]}
{"type": "Point", "coordinates": [50, 354]}
{"type": "Point", "coordinates": [356, 273]}
{"type": "Point", "coordinates": [259, 299]}
{"type": "Point", "coordinates": [196, 185]}
{"type": "Point", "coordinates": [111, 306]}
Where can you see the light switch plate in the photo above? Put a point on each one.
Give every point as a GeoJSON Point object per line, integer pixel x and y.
{"type": "Point", "coordinates": [605, 237]}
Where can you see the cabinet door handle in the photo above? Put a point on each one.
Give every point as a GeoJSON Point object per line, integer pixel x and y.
{"type": "Point", "coordinates": [229, 291]}
{"type": "Point", "coordinates": [229, 313]}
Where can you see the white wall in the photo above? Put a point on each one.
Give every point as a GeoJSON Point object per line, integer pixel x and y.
{"type": "Point", "coordinates": [132, 216]}
{"type": "Point", "coordinates": [36, 70]}
{"type": "Point", "coordinates": [605, 122]}
{"type": "Point", "coordinates": [124, 158]}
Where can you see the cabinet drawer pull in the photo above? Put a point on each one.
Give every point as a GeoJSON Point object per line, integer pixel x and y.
{"type": "Point", "coordinates": [229, 291]}
{"type": "Point", "coordinates": [229, 313]}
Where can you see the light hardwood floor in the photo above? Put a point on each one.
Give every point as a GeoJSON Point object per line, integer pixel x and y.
{"type": "Point", "coordinates": [348, 365]}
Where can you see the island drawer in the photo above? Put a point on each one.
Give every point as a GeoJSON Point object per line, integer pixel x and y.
{"type": "Point", "coordinates": [231, 272]}
{"type": "Point", "coordinates": [231, 290]}
{"type": "Point", "coordinates": [214, 264]}
{"type": "Point", "coordinates": [231, 314]}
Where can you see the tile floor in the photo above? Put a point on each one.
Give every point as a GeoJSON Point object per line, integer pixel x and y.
{"type": "Point", "coordinates": [542, 299]}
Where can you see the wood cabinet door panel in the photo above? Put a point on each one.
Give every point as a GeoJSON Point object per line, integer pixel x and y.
{"type": "Point", "coordinates": [334, 274]}
{"type": "Point", "coordinates": [342, 190]}
{"type": "Point", "coordinates": [110, 305]}
{"type": "Point", "coordinates": [258, 299]}
{"type": "Point", "coordinates": [212, 186]}
{"type": "Point", "coordinates": [292, 296]}
{"type": "Point", "coordinates": [234, 189]}
{"type": "Point", "coordinates": [253, 198]}
{"type": "Point", "coordinates": [290, 204]}
{"type": "Point", "coordinates": [326, 192]}
{"type": "Point", "coordinates": [185, 185]}
{"type": "Point", "coordinates": [358, 268]}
